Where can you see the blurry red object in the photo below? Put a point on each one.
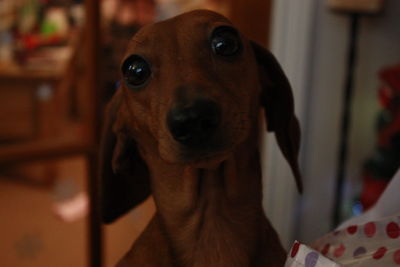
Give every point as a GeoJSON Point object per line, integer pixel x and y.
{"type": "Point", "coordinates": [389, 97]}
{"type": "Point", "coordinates": [32, 41]}
{"type": "Point", "coordinates": [391, 77]}
{"type": "Point", "coordinates": [385, 135]}
{"type": "Point", "coordinates": [385, 94]}
{"type": "Point", "coordinates": [372, 189]}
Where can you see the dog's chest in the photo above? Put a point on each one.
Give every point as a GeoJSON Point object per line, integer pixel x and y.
{"type": "Point", "coordinates": [217, 241]}
{"type": "Point", "coordinates": [218, 233]}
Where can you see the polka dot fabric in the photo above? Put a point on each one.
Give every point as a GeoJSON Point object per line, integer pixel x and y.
{"type": "Point", "coordinates": [372, 244]}
{"type": "Point", "coordinates": [302, 256]}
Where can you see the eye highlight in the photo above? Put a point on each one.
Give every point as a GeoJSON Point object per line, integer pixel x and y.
{"type": "Point", "coordinates": [136, 71]}
{"type": "Point", "coordinates": [225, 41]}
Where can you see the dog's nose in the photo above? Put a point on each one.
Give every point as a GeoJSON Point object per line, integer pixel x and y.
{"type": "Point", "coordinates": [193, 125]}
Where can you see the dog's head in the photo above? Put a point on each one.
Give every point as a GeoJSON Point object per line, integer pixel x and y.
{"type": "Point", "coordinates": [191, 89]}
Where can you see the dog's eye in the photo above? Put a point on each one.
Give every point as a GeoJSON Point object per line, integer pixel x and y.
{"type": "Point", "coordinates": [136, 71]}
{"type": "Point", "coordinates": [225, 41]}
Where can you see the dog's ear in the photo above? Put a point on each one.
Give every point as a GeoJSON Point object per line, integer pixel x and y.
{"type": "Point", "coordinates": [277, 100]}
{"type": "Point", "coordinates": [124, 176]}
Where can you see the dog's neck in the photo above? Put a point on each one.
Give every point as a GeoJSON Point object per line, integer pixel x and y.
{"type": "Point", "coordinates": [214, 212]}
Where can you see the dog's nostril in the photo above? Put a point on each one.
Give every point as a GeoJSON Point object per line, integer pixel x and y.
{"type": "Point", "coordinates": [207, 124]}
{"type": "Point", "coordinates": [182, 130]}
{"type": "Point", "coordinates": [193, 125]}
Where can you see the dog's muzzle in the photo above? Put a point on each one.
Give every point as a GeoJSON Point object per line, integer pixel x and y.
{"type": "Point", "coordinates": [194, 125]}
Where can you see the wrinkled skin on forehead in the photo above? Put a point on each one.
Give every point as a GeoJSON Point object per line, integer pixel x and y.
{"type": "Point", "coordinates": [173, 82]}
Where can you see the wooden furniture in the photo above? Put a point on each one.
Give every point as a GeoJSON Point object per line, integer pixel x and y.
{"type": "Point", "coordinates": [24, 96]}
{"type": "Point", "coordinates": [37, 116]}
{"type": "Point", "coordinates": [59, 119]}
{"type": "Point", "coordinates": [252, 18]}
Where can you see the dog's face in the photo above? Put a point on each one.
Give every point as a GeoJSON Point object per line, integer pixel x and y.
{"type": "Point", "coordinates": [191, 84]}
{"type": "Point", "coordinates": [191, 91]}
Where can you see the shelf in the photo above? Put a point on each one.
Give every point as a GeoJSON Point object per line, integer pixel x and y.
{"type": "Point", "coordinates": [12, 71]}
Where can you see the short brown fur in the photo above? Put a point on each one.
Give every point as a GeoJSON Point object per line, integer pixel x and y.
{"type": "Point", "coordinates": [208, 200]}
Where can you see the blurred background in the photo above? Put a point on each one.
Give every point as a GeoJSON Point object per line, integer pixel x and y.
{"type": "Point", "coordinates": [53, 89]}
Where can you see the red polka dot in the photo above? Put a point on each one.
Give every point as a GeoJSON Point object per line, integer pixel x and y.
{"type": "Point", "coordinates": [379, 253]}
{"type": "Point", "coordinates": [295, 249]}
{"type": "Point", "coordinates": [370, 229]}
{"type": "Point", "coordinates": [393, 230]}
{"type": "Point", "coordinates": [352, 229]}
{"type": "Point", "coordinates": [396, 256]}
{"type": "Point", "coordinates": [339, 251]}
{"type": "Point", "coordinates": [325, 250]}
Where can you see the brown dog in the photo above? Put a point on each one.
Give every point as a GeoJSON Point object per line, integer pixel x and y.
{"type": "Point", "coordinates": [184, 128]}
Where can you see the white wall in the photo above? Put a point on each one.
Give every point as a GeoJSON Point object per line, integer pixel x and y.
{"type": "Point", "coordinates": [324, 98]}
{"type": "Point", "coordinates": [290, 42]}
{"type": "Point", "coordinates": [311, 44]}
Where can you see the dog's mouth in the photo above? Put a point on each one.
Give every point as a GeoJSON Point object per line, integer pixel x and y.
{"type": "Point", "coordinates": [207, 160]}
{"type": "Point", "coordinates": [209, 155]}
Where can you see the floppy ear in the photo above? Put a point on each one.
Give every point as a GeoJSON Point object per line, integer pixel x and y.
{"type": "Point", "coordinates": [277, 100]}
{"type": "Point", "coordinates": [123, 174]}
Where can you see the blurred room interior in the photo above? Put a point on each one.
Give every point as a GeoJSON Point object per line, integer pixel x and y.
{"type": "Point", "coordinates": [53, 89]}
